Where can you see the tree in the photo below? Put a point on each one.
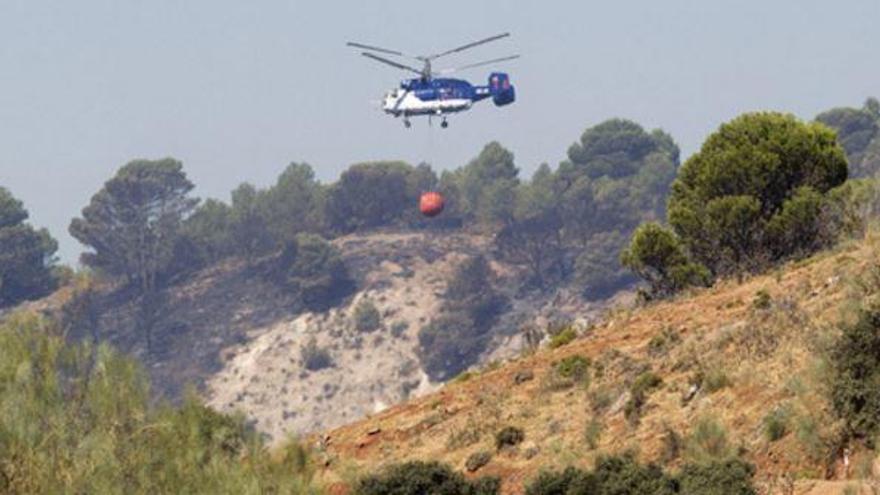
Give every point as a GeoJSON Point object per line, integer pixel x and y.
{"type": "Point", "coordinates": [723, 203]}
{"type": "Point", "coordinates": [26, 254]}
{"type": "Point", "coordinates": [486, 185]}
{"type": "Point", "coordinates": [616, 176]}
{"type": "Point", "coordinates": [249, 222]}
{"type": "Point", "coordinates": [455, 339]}
{"type": "Point", "coordinates": [369, 195]}
{"type": "Point", "coordinates": [534, 241]}
{"type": "Point", "coordinates": [313, 268]}
{"type": "Point", "coordinates": [294, 204]}
{"type": "Point", "coordinates": [208, 230]}
{"type": "Point", "coordinates": [131, 224]}
{"type": "Point", "coordinates": [657, 256]}
{"type": "Point", "coordinates": [858, 131]}
{"type": "Point", "coordinates": [855, 360]}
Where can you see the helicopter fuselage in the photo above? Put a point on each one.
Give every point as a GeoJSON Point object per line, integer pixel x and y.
{"type": "Point", "coordinates": [442, 96]}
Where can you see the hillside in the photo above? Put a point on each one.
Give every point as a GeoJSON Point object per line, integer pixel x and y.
{"type": "Point", "coordinates": [727, 358]}
{"type": "Point", "coordinates": [238, 337]}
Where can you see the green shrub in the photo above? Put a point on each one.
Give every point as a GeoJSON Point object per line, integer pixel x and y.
{"type": "Point", "coordinates": [593, 433]}
{"type": "Point", "coordinates": [638, 394]}
{"type": "Point", "coordinates": [662, 342]}
{"type": "Point", "coordinates": [715, 379]}
{"type": "Point", "coordinates": [776, 424]}
{"type": "Point", "coordinates": [366, 316]}
{"type": "Point", "coordinates": [454, 340]}
{"type": "Point", "coordinates": [79, 419]}
{"type": "Point", "coordinates": [313, 269]}
{"type": "Point", "coordinates": [477, 460]}
{"type": "Point", "coordinates": [571, 481]}
{"type": "Point", "coordinates": [657, 256]}
{"type": "Point", "coordinates": [762, 300]}
{"type": "Point", "coordinates": [574, 367]}
{"type": "Point", "coordinates": [623, 475]}
{"type": "Point", "coordinates": [398, 328]}
{"type": "Point", "coordinates": [564, 337]}
{"type": "Point", "coordinates": [855, 361]}
{"type": "Point", "coordinates": [421, 478]}
{"type": "Point", "coordinates": [314, 357]}
{"type": "Point", "coordinates": [612, 475]}
{"type": "Point", "coordinates": [730, 477]}
{"type": "Point", "coordinates": [708, 442]}
{"type": "Point", "coordinates": [670, 445]}
{"type": "Point", "coordinates": [509, 436]}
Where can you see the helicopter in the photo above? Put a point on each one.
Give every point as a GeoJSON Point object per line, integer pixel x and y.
{"type": "Point", "coordinates": [440, 96]}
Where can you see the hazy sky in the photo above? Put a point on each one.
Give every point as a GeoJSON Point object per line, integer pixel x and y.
{"type": "Point", "coordinates": [236, 90]}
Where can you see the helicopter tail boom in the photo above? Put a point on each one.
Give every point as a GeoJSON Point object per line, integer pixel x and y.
{"type": "Point", "coordinates": [500, 88]}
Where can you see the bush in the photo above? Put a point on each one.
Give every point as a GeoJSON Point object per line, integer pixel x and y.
{"type": "Point", "coordinates": [420, 478]}
{"type": "Point", "coordinates": [509, 436]}
{"type": "Point", "coordinates": [638, 394]}
{"type": "Point", "coordinates": [623, 475]}
{"type": "Point", "coordinates": [593, 433]}
{"type": "Point", "coordinates": [366, 316]}
{"type": "Point", "coordinates": [79, 419]}
{"type": "Point", "coordinates": [715, 379]}
{"type": "Point", "coordinates": [730, 477]}
{"type": "Point", "coordinates": [776, 424]}
{"type": "Point", "coordinates": [477, 460]}
{"type": "Point", "coordinates": [762, 300]}
{"type": "Point", "coordinates": [708, 442]}
{"type": "Point", "coordinates": [449, 344]}
{"type": "Point", "coordinates": [855, 387]}
{"type": "Point", "coordinates": [575, 367]}
{"type": "Point", "coordinates": [564, 337]}
{"type": "Point", "coordinates": [313, 268]}
{"type": "Point", "coordinates": [657, 256]}
{"type": "Point", "coordinates": [571, 481]}
{"type": "Point", "coordinates": [612, 475]}
{"type": "Point", "coordinates": [454, 340]}
{"type": "Point", "coordinates": [315, 358]}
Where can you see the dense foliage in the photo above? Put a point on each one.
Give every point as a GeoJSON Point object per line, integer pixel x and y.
{"type": "Point", "coordinates": [258, 222]}
{"type": "Point", "coordinates": [132, 223]}
{"type": "Point", "coordinates": [858, 131]}
{"type": "Point", "coordinates": [454, 340]}
{"type": "Point", "coordinates": [78, 419]}
{"type": "Point", "coordinates": [420, 478]}
{"type": "Point", "coordinates": [623, 475]}
{"type": "Point", "coordinates": [313, 269]}
{"type": "Point", "coordinates": [753, 192]}
{"type": "Point", "coordinates": [376, 194]}
{"type": "Point", "coordinates": [762, 189]}
{"type": "Point", "coordinates": [855, 390]}
{"type": "Point", "coordinates": [657, 256]}
{"type": "Point", "coordinates": [576, 219]}
{"type": "Point", "coordinates": [26, 254]}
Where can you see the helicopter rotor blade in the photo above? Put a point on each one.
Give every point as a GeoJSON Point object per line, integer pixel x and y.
{"type": "Point", "coordinates": [390, 62]}
{"type": "Point", "coordinates": [376, 49]}
{"type": "Point", "coordinates": [479, 64]}
{"type": "Point", "coordinates": [469, 45]}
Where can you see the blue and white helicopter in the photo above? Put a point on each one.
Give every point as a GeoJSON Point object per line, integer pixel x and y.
{"type": "Point", "coordinates": [437, 97]}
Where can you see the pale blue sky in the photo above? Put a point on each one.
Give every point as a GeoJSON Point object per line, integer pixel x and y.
{"type": "Point", "coordinates": [236, 89]}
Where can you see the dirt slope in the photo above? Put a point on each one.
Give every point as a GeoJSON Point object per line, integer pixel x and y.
{"type": "Point", "coordinates": [404, 276]}
{"type": "Point", "coordinates": [727, 356]}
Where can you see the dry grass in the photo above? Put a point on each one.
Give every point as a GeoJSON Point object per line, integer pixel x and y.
{"type": "Point", "coordinates": [770, 354]}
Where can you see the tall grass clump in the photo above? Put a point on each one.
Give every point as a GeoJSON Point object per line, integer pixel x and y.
{"type": "Point", "coordinates": [76, 418]}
